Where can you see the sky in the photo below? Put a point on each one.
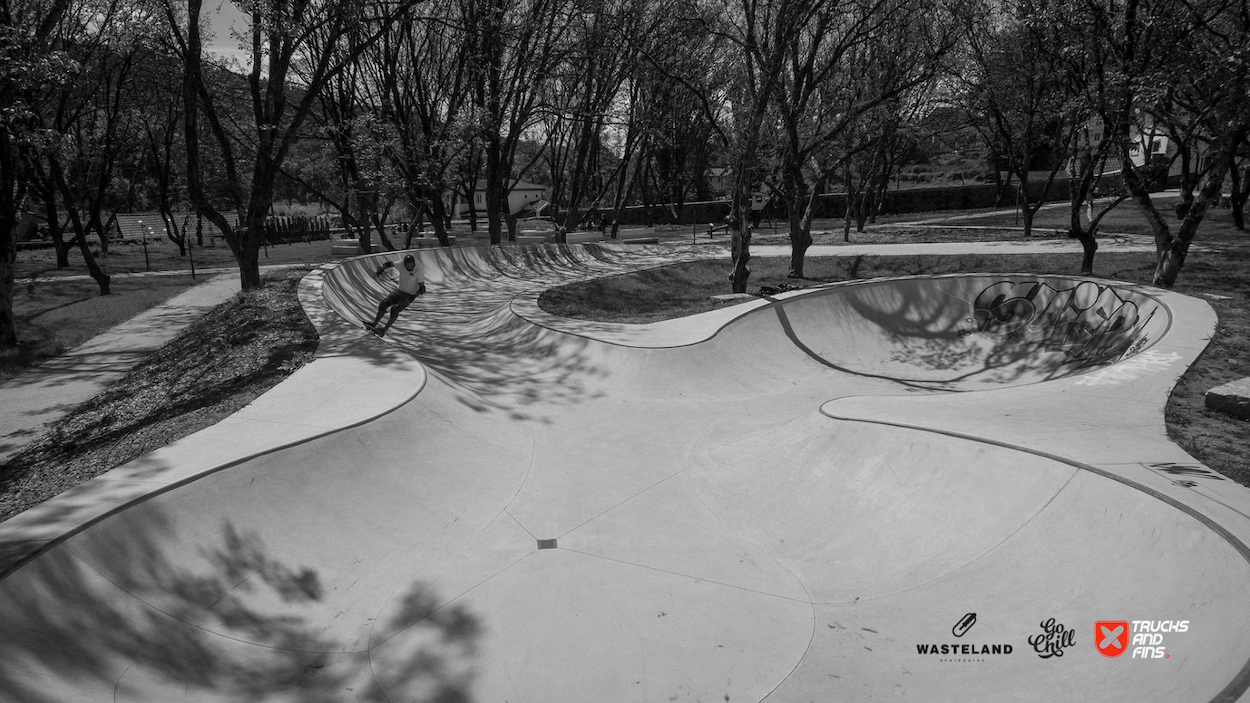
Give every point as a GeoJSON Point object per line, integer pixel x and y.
{"type": "Point", "coordinates": [222, 16]}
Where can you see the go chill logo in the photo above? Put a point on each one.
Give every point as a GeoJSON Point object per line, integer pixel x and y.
{"type": "Point", "coordinates": [1144, 638]}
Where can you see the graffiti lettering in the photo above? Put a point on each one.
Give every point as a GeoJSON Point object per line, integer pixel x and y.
{"type": "Point", "coordinates": [1089, 323]}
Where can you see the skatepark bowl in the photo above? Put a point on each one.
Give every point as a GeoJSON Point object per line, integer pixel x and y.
{"type": "Point", "coordinates": [950, 488]}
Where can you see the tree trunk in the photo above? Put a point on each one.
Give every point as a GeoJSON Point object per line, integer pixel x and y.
{"type": "Point", "coordinates": [1089, 246]}
{"type": "Point", "coordinates": [847, 216]}
{"type": "Point", "coordinates": [496, 193]}
{"type": "Point", "coordinates": [1240, 189]}
{"type": "Point", "coordinates": [1086, 235]}
{"type": "Point", "coordinates": [1026, 209]}
{"type": "Point", "coordinates": [800, 240]}
{"type": "Point", "coordinates": [472, 212]}
{"type": "Point", "coordinates": [801, 233]}
{"type": "Point", "coordinates": [8, 282]}
{"type": "Point", "coordinates": [172, 232]}
{"type": "Point", "coordinates": [248, 251]}
{"type": "Point", "coordinates": [59, 245]}
{"type": "Point", "coordinates": [511, 220]}
{"type": "Point", "coordinates": [1026, 214]}
{"type": "Point", "coordinates": [80, 230]}
{"type": "Point", "coordinates": [1172, 251]}
{"type": "Point", "coordinates": [8, 238]}
{"type": "Point", "coordinates": [438, 218]}
{"type": "Point", "coordinates": [740, 245]}
{"type": "Point", "coordinates": [101, 278]}
{"type": "Point", "coordinates": [866, 205]}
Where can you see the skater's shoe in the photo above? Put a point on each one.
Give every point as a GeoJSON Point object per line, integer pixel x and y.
{"type": "Point", "coordinates": [379, 331]}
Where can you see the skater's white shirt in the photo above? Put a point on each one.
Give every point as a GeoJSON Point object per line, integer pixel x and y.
{"type": "Point", "coordinates": [409, 281]}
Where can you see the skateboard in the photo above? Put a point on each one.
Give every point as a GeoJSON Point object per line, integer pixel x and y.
{"type": "Point", "coordinates": [369, 326]}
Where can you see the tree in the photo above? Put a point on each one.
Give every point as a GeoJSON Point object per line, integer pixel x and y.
{"type": "Point", "coordinates": [676, 104]}
{"type": "Point", "coordinates": [853, 75]}
{"type": "Point", "coordinates": [512, 46]}
{"type": "Point", "coordinates": [1185, 67]}
{"type": "Point", "coordinates": [760, 30]}
{"type": "Point", "coordinates": [161, 120]}
{"type": "Point", "coordinates": [1084, 56]}
{"type": "Point", "coordinates": [579, 100]}
{"type": "Point", "coordinates": [363, 191]}
{"type": "Point", "coordinates": [1016, 83]}
{"type": "Point", "coordinates": [287, 70]}
{"type": "Point", "coordinates": [1239, 186]}
{"type": "Point", "coordinates": [30, 60]}
{"type": "Point", "coordinates": [419, 78]}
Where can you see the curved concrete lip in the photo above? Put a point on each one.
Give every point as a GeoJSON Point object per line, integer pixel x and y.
{"type": "Point", "coordinates": [787, 501]}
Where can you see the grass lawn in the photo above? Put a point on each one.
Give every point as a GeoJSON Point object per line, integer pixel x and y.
{"type": "Point", "coordinates": [1125, 218]}
{"type": "Point", "coordinates": [54, 317]}
{"type": "Point", "coordinates": [162, 255]}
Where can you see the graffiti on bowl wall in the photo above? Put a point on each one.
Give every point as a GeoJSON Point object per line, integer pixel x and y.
{"type": "Point", "coordinates": [1089, 323]}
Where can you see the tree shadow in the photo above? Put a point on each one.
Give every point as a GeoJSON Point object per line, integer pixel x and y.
{"type": "Point", "coordinates": [1006, 331]}
{"type": "Point", "coordinates": [121, 610]}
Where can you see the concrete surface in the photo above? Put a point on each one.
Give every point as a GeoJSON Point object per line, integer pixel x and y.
{"type": "Point", "coordinates": [785, 500]}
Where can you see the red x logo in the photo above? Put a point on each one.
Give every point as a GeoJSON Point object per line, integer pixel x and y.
{"type": "Point", "coordinates": [1111, 637]}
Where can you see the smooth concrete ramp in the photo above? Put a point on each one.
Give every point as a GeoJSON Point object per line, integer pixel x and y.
{"type": "Point", "coordinates": [798, 499]}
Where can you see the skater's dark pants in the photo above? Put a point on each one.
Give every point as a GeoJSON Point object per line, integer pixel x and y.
{"type": "Point", "coordinates": [396, 301]}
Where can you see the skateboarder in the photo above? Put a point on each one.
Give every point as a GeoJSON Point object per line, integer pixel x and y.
{"type": "Point", "coordinates": [410, 286]}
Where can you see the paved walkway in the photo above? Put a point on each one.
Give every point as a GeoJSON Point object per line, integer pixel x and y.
{"type": "Point", "coordinates": [794, 499]}
{"type": "Point", "coordinates": [34, 400]}
{"type": "Point", "coordinates": [37, 398]}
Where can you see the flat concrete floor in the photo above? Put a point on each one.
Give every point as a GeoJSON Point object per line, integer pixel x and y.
{"type": "Point", "coordinates": [797, 499]}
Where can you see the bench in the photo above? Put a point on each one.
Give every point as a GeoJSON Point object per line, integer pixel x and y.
{"type": "Point", "coordinates": [637, 236]}
{"type": "Point", "coordinates": [345, 247]}
{"type": "Point", "coordinates": [583, 237]}
{"type": "Point", "coordinates": [534, 236]}
{"type": "Point", "coordinates": [431, 242]}
{"type": "Point", "coordinates": [351, 247]}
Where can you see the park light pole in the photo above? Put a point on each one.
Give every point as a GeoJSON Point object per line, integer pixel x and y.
{"type": "Point", "coordinates": [147, 265]}
{"type": "Point", "coordinates": [190, 247]}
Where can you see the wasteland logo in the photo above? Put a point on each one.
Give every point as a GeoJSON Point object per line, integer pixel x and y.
{"type": "Point", "coordinates": [965, 623]}
{"type": "Point", "coordinates": [963, 652]}
{"type": "Point", "coordinates": [1052, 640]}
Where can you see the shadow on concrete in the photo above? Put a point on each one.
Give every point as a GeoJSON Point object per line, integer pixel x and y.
{"type": "Point", "coordinates": [949, 332]}
{"type": "Point", "coordinates": [124, 609]}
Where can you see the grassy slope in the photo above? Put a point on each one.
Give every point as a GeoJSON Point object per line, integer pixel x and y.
{"type": "Point", "coordinates": [215, 367]}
